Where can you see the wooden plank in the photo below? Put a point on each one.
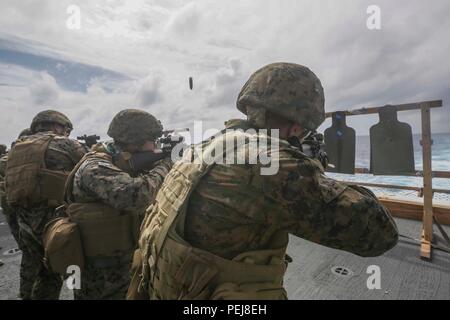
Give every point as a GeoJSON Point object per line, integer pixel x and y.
{"type": "Point", "coordinates": [441, 174]}
{"type": "Point", "coordinates": [383, 185]}
{"type": "Point", "coordinates": [441, 191]}
{"type": "Point", "coordinates": [425, 250]}
{"type": "Point", "coordinates": [399, 107]}
{"type": "Point", "coordinates": [362, 170]}
{"type": "Point", "coordinates": [413, 209]}
{"type": "Point", "coordinates": [427, 179]}
{"type": "Point", "coordinates": [394, 186]}
{"type": "Point", "coordinates": [436, 174]}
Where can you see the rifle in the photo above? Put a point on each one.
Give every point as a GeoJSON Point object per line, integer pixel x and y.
{"type": "Point", "coordinates": [89, 141]}
{"type": "Point", "coordinates": [314, 146]}
{"type": "Point", "coordinates": [169, 140]}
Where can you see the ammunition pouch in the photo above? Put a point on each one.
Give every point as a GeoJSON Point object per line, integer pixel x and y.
{"type": "Point", "coordinates": [62, 244]}
{"type": "Point", "coordinates": [105, 232]}
{"type": "Point", "coordinates": [186, 273]}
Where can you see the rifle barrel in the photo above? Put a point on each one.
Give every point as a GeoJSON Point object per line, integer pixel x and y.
{"type": "Point", "coordinates": [165, 132]}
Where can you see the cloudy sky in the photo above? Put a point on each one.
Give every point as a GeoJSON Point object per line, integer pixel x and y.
{"type": "Point", "coordinates": [141, 53]}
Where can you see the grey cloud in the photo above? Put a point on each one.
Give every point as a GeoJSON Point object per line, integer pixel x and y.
{"type": "Point", "coordinates": [227, 44]}
{"type": "Point", "coordinates": [227, 84]}
{"type": "Point", "coordinates": [185, 20]}
{"type": "Point", "coordinates": [221, 44]}
{"type": "Point", "coordinates": [44, 90]}
{"type": "Point", "coordinates": [149, 91]}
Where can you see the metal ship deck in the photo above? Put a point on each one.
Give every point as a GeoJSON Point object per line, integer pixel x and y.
{"type": "Point", "coordinates": [318, 272]}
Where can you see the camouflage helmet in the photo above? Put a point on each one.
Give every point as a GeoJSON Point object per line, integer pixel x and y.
{"type": "Point", "coordinates": [25, 132]}
{"type": "Point", "coordinates": [288, 90]}
{"type": "Point", "coordinates": [50, 116]}
{"type": "Point", "coordinates": [3, 149]}
{"type": "Point", "coordinates": [132, 126]}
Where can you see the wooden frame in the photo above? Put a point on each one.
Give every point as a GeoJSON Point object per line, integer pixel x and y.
{"type": "Point", "coordinates": [413, 210]}
{"type": "Point", "coordinates": [398, 107]}
{"type": "Point", "coordinates": [394, 186]}
{"type": "Point", "coordinates": [435, 174]}
{"type": "Point", "coordinates": [427, 234]}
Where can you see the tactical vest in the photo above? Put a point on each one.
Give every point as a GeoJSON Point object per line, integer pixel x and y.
{"type": "Point", "coordinates": [28, 181]}
{"type": "Point", "coordinates": [105, 231]}
{"type": "Point", "coordinates": [173, 269]}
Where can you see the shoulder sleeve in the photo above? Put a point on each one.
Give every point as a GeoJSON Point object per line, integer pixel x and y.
{"type": "Point", "coordinates": [117, 188]}
{"type": "Point", "coordinates": [320, 209]}
{"type": "Point", "coordinates": [76, 149]}
{"type": "Point", "coordinates": [69, 147]}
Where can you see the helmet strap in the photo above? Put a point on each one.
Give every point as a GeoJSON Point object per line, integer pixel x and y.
{"type": "Point", "coordinates": [256, 116]}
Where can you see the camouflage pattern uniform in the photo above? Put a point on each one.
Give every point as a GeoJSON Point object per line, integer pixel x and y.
{"type": "Point", "coordinates": [3, 160]}
{"type": "Point", "coordinates": [3, 204]}
{"type": "Point", "coordinates": [62, 154]}
{"type": "Point", "coordinates": [11, 219]}
{"type": "Point", "coordinates": [99, 180]}
{"type": "Point", "coordinates": [231, 211]}
{"type": "Point", "coordinates": [307, 203]}
{"type": "Point", "coordinates": [3, 149]}
{"type": "Point", "coordinates": [26, 280]}
{"type": "Point", "coordinates": [235, 216]}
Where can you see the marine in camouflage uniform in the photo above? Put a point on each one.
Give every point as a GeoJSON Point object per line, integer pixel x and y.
{"type": "Point", "coordinates": [101, 183]}
{"type": "Point", "coordinates": [50, 129]}
{"type": "Point", "coordinates": [220, 231]}
{"type": "Point", "coordinates": [26, 282]}
{"type": "Point", "coordinates": [11, 218]}
{"type": "Point", "coordinates": [3, 149]}
{"type": "Point", "coordinates": [5, 208]}
{"type": "Point", "coordinates": [3, 159]}
{"type": "Point", "coordinates": [3, 205]}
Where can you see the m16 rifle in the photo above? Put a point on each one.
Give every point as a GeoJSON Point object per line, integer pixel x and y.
{"type": "Point", "coordinates": [169, 140]}
{"type": "Point", "coordinates": [89, 141]}
{"type": "Point", "coordinates": [314, 146]}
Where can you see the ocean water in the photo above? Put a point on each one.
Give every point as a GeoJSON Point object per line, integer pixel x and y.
{"type": "Point", "coordinates": [440, 162]}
